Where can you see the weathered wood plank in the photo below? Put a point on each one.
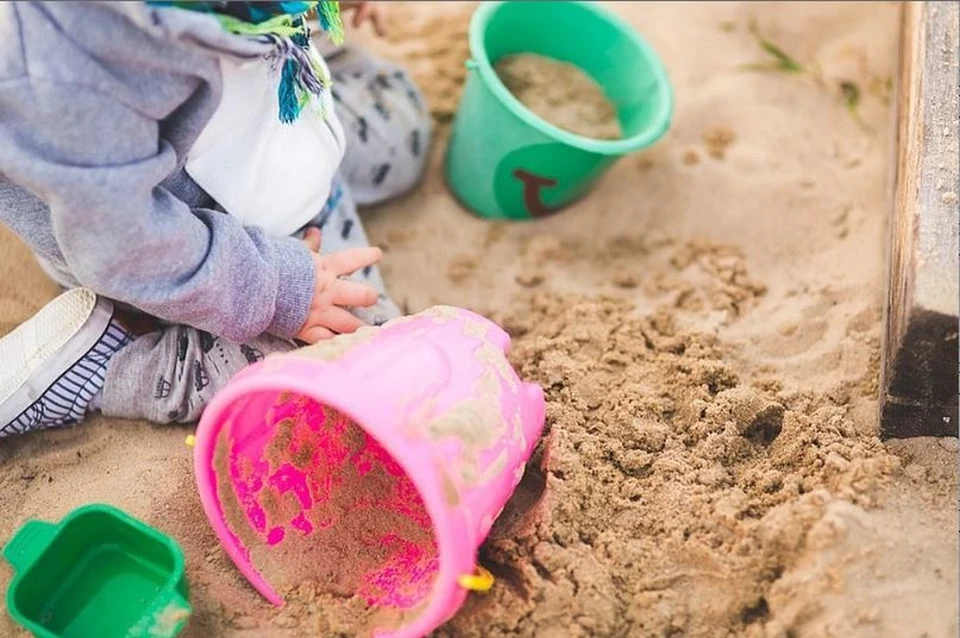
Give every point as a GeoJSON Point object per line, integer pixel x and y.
{"type": "Point", "coordinates": [919, 368]}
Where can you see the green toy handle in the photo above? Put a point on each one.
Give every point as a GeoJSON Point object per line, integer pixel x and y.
{"type": "Point", "coordinates": [28, 543]}
{"type": "Point", "coordinates": [471, 64]}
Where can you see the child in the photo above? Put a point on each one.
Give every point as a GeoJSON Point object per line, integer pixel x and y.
{"type": "Point", "coordinates": [170, 163]}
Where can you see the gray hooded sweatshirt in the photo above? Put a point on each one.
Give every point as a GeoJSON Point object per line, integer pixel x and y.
{"type": "Point", "coordinates": [99, 104]}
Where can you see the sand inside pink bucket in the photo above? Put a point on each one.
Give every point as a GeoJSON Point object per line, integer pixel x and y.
{"type": "Point", "coordinates": [329, 518]}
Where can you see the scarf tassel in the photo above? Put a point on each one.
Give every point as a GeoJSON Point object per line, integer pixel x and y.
{"type": "Point", "coordinates": [328, 14]}
{"type": "Point", "coordinates": [300, 78]}
{"type": "Point", "coordinates": [283, 25]}
{"type": "Point", "coordinates": [290, 103]}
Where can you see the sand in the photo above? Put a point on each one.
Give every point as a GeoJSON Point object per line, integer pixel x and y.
{"type": "Point", "coordinates": [363, 528]}
{"type": "Point", "coordinates": [560, 93]}
{"type": "Point", "coordinates": [706, 326]}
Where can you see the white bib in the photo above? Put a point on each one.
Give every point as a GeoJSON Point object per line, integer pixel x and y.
{"type": "Point", "coordinates": [260, 170]}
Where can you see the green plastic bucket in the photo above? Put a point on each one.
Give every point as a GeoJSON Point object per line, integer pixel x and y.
{"type": "Point", "coordinates": [97, 574]}
{"type": "Point", "coordinates": [503, 161]}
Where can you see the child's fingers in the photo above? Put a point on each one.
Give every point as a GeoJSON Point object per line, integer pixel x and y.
{"type": "Point", "coordinates": [312, 238]}
{"type": "Point", "coordinates": [376, 17]}
{"type": "Point", "coordinates": [359, 15]}
{"type": "Point", "coordinates": [362, 14]}
{"type": "Point", "coordinates": [353, 294]}
{"type": "Point", "coordinates": [315, 334]}
{"type": "Point", "coordinates": [369, 11]}
{"type": "Point", "coordinates": [380, 24]}
{"type": "Point", "coordinates": [339, 320]}
{"type": "Point", "coordinates": [350, 261]}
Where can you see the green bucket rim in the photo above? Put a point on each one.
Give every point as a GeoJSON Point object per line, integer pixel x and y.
{"type": "Point", "coordinates": [177, 573]}
{"type": "Point", "coordinates": [480, 61]}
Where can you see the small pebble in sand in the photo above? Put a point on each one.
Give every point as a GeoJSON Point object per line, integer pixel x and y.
{"type": "Point", "coordinates": [461, 269]}
{"type": "Point", "coordinates": [625, 279]}
{"type": "Point", "coordinates": [916, 472]}
{"type": "Point", "coordinates": [243, 622]}
{"type": "Point", "coordinates": [731, 504]}
{"type": "Point", "coordinates": [494, 234]}
{"type": "Point", "coordinates": [712, 477]}
{"type": "Point", "coordinates": [951, 444]}
{"type": "Point", "coordinates": [285, 622]}
{"type": "Point", "coordinates": [690, 157]}
{"type": "Point", "coordinates": [949, 198]}
{"type": "Point", "coordinates": [717, 139]}
{"type": "Point", "coordinates": [529, 279]}
{"type": "Point", "coordinates": [560, 93]}
{"type": "Point", "coordinates": [543, 248]}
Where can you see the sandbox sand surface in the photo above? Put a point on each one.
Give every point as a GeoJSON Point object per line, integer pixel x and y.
{"type": "Point", "coordinates": [707, 329]}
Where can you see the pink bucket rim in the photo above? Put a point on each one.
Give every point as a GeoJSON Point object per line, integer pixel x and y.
{"type": "Point", "coordinates": [446, 594]}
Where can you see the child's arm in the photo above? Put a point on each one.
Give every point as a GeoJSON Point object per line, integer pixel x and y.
{"type": "Point", "coordinates": [100, 165]}
{"type": "Point", "coordinates": [366, 11]}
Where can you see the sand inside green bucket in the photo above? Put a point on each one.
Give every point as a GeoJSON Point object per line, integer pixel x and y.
{"type": "Point", "coordinates": [561, 94]}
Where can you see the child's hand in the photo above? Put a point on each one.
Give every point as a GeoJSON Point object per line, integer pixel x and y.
{"type": "Point", "coordinates": [364, 11]}
{"type": "Point", "coordinates": [327, 316]}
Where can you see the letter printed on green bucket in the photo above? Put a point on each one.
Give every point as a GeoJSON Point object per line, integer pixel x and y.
{"type": "Point", "coordinates": [535, 181]}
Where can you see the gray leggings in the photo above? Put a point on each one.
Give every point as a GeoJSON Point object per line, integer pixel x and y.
{"type": "Point", "coordinates": [170, 375]}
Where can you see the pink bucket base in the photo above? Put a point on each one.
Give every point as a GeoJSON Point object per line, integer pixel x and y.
{"type": "Point", "coordinates": [376, 466]}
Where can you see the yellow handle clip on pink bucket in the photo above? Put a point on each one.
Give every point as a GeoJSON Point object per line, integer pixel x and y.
{"type": "Point", "coordinates": [375, 463]}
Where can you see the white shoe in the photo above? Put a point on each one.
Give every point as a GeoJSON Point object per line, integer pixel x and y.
{"type": "Point", "coordinates": [55, 363]}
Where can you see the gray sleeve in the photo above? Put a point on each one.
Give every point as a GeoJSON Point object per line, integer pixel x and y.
{"type": "Point", "coordinates": [100, 166]}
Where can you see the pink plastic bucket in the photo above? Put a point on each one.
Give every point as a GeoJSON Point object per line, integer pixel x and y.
{"type": "Point", "coordinates": [375, 463]}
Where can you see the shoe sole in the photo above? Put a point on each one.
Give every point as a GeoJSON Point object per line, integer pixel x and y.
{"type": "Point", "coordinates": [41, 350]}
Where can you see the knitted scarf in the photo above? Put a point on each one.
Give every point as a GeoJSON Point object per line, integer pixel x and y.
{"type": "Point", "coordinates": [284, 25]}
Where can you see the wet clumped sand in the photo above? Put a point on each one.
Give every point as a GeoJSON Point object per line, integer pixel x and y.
{"type": "Point", "coordinates": [671, 493]}
{"type": "Point", "coordinates": [560, 93]}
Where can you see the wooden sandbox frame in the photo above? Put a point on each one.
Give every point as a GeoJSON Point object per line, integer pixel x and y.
{"type": "Point", "coordinates": [919, 356]}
